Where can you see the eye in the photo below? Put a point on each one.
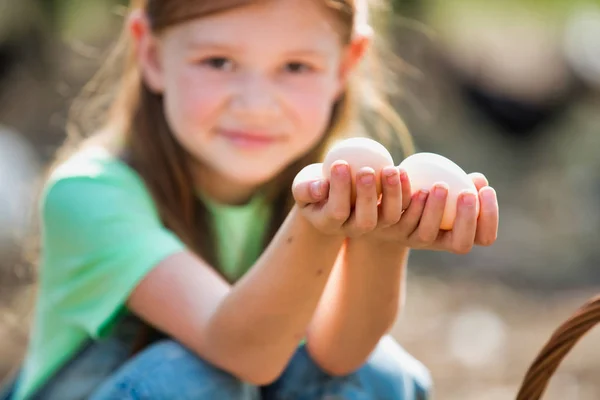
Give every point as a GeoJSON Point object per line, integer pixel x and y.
{"type": "Point", "coordinates": [219, 63]}
{"type": "Point", "coordinates": [298, 67]}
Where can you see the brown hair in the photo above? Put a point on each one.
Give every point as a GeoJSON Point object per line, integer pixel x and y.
{"type": "Point", "coordinates": [128, 117]}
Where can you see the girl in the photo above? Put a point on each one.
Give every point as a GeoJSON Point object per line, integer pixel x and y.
{"type": "Point", "coordinates": [190, 212]}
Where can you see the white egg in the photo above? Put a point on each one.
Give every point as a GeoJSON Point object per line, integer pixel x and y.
{"type": "Point", "coordinates": [426, 169]}
{"type": "Point", "coordinates": [359, 152]}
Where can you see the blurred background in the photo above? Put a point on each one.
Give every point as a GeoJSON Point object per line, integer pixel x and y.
{"type": "Point", "coordinates": [509, 88]}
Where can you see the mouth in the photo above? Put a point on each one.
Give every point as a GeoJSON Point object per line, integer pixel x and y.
{"type": "Point", "coordinates": [249, 139]}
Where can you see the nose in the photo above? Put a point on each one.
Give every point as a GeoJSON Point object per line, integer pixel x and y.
{"type": "Point", "coordinates": [255, 98]}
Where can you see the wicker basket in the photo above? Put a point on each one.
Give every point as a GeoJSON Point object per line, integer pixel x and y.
{"type": "Point", "coordinates": [558, 346]}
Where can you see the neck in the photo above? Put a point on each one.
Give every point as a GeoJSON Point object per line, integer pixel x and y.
{"type": "Point", "coordinates": [221, 189]}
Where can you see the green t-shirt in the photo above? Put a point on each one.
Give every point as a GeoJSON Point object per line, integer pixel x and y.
{"type": "Point", "coordinates": [240, 231]}
{"type": "Point", "coordinates": [101, 234]}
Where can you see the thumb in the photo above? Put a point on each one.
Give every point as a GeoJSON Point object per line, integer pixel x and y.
{"type": "Point", "coordinates": [312, 192]}
{"type": "Point", "coordinates": [309, 186]}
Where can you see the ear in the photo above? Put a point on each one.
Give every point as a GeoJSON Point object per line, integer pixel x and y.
{"type": "Point", "coordinates": [147, 51]}
{"type": "Point", "coordinates": [353, 55]}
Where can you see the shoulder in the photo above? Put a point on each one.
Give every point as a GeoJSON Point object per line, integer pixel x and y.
{"type": "Point", "coordinates": [93, 183]}
{"type": "Point", "coordinates": [93, 164]}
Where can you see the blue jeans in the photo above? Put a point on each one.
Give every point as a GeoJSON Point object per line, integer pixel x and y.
{"type": "Point", "coordinates": [167, 370]}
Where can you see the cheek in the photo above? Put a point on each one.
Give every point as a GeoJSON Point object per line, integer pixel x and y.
{"type": "Point", "coordinates": [191, 102]}
{"type": "Point", "coordinates": [313, 110]}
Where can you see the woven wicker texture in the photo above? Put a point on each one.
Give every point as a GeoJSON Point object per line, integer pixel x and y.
{"type": "Point", "coordinates": [558, 346]}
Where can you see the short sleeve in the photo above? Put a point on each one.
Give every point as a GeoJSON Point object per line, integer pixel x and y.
{"type": "Point", "coordinates": [101, 236]}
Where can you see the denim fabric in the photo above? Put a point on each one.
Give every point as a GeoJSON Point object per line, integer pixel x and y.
{"type": "Point", "coordinates": [103, 370]}
{"type": "Point", "coordinates": [389, 374]}
{"type": "Point", "coordinates": [167, 370]}
{"type": "Point", "coordinates": [91, 366]}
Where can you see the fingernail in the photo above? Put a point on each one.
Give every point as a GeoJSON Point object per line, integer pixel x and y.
{"type": "Point", "coordinates": [367, 179]}
{"type": "Point", "coordinates": [489, 195]}
{"type": "Point", "coordinates": [391, 175]}
{"type": "Point", "coordinates": [403, 176]}
{"type": "Point", "coordinates": [342, 170]}
{"type": "Point", "coordinates": [423, 194]}
{"type": "Point", "coordinates": [316, 188]}
{"type": "Point", "coordinates": [389, 171]}
{"type": "Point", "coordinates": [469, 199]}
{"type": "Point", "coordinates": [440, 191]}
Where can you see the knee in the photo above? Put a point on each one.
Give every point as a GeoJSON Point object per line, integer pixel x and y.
{"type": "Point", "coordinates": [167, 369]}
{"type": "Point", "coordinates": [167, 350]}
{"type": "Point", "coordinates": [399, 371]}
{"type": "Point", "coordinates": [170, 358]}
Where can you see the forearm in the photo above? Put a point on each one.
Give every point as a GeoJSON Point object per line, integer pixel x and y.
{"type": "Point", "coordinates": [359, 305]}
{"type": "Point", "coordinates": [261, 321]}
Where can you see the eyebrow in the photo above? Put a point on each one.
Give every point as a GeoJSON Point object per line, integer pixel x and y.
{"type": "Point", "coordinates": [219, 46]}
{"type": "Point", "coordinates": [195, 43]}
{"type": "Point", "coordinates": [308, 53]}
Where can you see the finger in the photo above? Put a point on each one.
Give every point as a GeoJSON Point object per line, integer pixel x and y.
{"type": "Point", "coordinates": [310, 186]}
{"type": "Point", "coordinates": [364, 218]}
{"type": "Point", "coordinates": [310, 192]}
{"type": "Point", "coordinates": [338, 204]}
{"type": "Point", "coordinates": [479, 180]}
{"type": "Point", "coordinates": [406, 189]}
{"type": "Point", "coordinates": [465, 224]}
{"type": "Point", "coordinates": [429, 226]}
{"type": "Point", "coordinates": [409, 221]}
{"type": "Point", "coordinates": [391, 200]}
{"type": "Point", "coordinates": [487, 224]}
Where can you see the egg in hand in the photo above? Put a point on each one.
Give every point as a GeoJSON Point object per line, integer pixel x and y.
{"type": "Point", "coordinates": [359, 152]}
{"type": "Point", "coordinates": [426, 169]}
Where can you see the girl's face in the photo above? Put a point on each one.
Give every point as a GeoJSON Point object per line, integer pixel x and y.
{"type": "Point", "coordinates": [248, 91]}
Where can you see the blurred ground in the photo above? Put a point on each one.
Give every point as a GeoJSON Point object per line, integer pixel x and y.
{"type": "Point", "coordinates": [507, 88]}
{"type": "Point", "coordinates": [478, 339]}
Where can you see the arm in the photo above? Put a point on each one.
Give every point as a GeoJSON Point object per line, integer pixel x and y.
{"type": "Point", "coordinates": [258, 321]}
{"type": "Point", "coordinates": [359, 306]}
{"type": "Point", "coordinates": [367, 285]}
